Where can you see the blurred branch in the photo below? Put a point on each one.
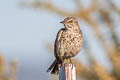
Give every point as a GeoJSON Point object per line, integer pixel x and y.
{"type": "Point", "coordinates": [48, 6]}
{"type": "Point", "coordinates": [3, 71]}
{"type": "Point", "coordinates": [2, 67]}
{"type": "Point", "coordinates": [83, 71]}
{"type": "Point", "coordinates": [78, 4]}
{"type": "Point", "coordinates": [49, 46]}
{"type": "Point", "coordinates": [115, 59]}
{"type": "Point", "coordinates": [102, 73]}
{"type": "Point", "coordinates": [13, 70]}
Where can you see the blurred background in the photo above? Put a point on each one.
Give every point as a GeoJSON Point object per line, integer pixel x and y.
{"type": "Point", "coordinates": [28, 30]}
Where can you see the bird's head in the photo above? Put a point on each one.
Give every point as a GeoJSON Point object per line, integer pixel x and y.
{"type": "Point", "coordinates": [70, 23]}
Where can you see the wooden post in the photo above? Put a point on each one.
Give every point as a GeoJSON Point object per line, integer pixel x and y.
{"type": "Point", "coordinates": [67, 72]}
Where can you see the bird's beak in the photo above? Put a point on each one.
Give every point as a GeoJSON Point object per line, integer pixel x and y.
{"type": "Point", "coordinates": [62, 22]}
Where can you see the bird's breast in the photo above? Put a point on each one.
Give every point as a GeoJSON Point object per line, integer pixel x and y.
{"type": "Point", "coordinates": [71, 43]}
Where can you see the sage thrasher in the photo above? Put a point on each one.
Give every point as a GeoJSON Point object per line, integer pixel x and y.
{"type": "Point", "coordinates": [68, 43]}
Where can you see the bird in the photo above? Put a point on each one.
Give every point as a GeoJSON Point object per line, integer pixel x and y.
{"type": "Point", "coordinates": [68, 43]}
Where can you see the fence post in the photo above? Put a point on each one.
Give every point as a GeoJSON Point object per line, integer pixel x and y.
{"type": "Point", "coordinates": [67, 72]}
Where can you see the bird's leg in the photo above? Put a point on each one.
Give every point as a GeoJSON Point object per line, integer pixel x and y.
{"type": "Point", "coordinates": [71, 62]}
{"type": "Point", "coordinates": [62, 62]}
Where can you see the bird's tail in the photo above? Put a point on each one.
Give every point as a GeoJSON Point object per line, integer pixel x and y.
{"type": "Point", "coordinates": [53, 68]}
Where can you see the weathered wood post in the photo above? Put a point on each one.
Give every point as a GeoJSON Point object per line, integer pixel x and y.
{"type": "Point", "coordinates": [67, 72]}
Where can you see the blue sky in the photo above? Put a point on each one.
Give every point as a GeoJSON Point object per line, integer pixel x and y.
{"type": "Point", "coordinates": [24, 32]}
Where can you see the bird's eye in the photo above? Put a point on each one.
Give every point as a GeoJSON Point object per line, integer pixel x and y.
{"type": "Point", "coordinates": [70, 21]}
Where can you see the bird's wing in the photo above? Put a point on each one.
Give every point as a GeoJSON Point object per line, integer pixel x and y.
{"type": "Point", "coordinates": [59, 35]}
{"type": "Point", "coordinates": [56, 46]}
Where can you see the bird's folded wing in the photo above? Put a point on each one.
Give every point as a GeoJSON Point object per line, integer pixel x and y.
{"type": "Point", "coordinates": [59, 34]}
